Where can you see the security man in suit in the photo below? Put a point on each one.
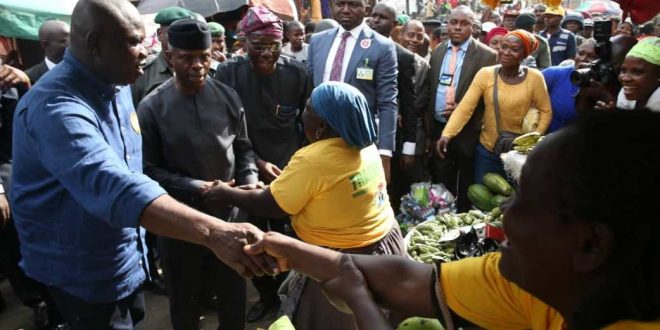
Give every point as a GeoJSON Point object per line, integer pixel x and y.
{"type": "Point", "coordinates": [355, 54]}
{"type": "Point", "coordinates": [54, 39]}
{"type": "Point", "coordinates": [158, 70]}
{"type": "Point", "coordinates": [404, 173]}
{"type": "Point", "coordinates": [453, 67]}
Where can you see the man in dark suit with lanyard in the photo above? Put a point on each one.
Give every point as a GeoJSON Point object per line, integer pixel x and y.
{"type": "Point", "coordinates": [453, 66]}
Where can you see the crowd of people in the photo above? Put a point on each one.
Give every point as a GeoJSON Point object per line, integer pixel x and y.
{"type": "Point", "coordinates": [282, 157]}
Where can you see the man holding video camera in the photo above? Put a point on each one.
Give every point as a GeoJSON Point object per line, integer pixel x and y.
{"type": "Point", "coordinates": [597, 80]}
{"type": "Point", "coordinates": [562, 89]}
{"type": "Point", "coordinates": [591, 81]}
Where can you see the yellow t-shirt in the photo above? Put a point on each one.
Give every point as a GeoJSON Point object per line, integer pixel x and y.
{"type": "Point", "coordinates": [514, 103]}
{"type": "Point", "coordinates": [336, 195]}
{"type": "Point", "coordinates": [475, 290]}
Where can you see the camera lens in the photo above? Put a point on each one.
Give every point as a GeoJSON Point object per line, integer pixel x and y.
{"type": "Point", "coordinates": [581, 77]}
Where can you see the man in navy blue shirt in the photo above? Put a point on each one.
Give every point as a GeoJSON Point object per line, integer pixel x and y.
{"type": "Point", "coordinates": [561, 41]}
{"type": "Point", "coordinates": [79, 197]}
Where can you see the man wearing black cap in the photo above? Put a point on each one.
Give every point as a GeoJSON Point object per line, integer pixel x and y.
{"type": "Point", "coordinates": [193, 133]}
{"type": "Point", "coordinates": [541, 57]}
{"type": "Point", "coordinates": [157, 71]}
{"type": "Point", "coordinates": [430, 25]}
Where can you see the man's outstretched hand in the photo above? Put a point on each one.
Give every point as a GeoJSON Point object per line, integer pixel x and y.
{"type": "Point", "coordinates": [228, 242]}
{"type": "Point", "coordinates": [275, 245]}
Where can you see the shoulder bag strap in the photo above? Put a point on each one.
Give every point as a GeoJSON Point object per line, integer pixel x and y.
{"type": "Point", "coordinates": [496, 105]}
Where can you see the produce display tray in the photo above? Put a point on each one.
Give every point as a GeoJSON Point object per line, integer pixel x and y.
{"type": "Point", "coordinates": [450, 235]}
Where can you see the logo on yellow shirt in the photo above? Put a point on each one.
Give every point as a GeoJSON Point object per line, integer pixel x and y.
{"type": "Point", "coordinates": [362, 179]}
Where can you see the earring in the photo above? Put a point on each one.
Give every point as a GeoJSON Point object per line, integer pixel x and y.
{"type": "Point", "coordinates": [318, 134]}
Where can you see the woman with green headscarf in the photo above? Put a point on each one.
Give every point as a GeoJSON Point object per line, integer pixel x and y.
{"type": "Point", "coordinates": [334, 190]}
{"type": "Point", "coordinates": [640, 77]}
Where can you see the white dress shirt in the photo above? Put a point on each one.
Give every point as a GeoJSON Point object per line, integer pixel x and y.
{"type": "Point", "coordinates": [50, 65]}
{"type": "Point", "coordinates": [348, 51]}
{"type": "Point", "coordinates": [350, 45]}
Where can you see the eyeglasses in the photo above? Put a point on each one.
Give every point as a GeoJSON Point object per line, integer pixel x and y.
{"type": "Point", "coordinates": [263, 47]}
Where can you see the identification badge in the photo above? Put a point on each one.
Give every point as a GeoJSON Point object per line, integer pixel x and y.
{"type": "Point", "coordinates": [135, 123]}
{"type": "Point", "coordinates": [365, 74]}
{"type": "Point", "coordinates": [446, 79]}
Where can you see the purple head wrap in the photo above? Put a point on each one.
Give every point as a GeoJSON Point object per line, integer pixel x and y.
{"type": "Point", "coordinates": [261, 21]}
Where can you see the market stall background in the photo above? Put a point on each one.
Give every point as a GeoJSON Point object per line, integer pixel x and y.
{"type": "Point", "coordinates": [21, 18]}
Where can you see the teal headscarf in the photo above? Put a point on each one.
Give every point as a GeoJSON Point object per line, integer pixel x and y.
{"type": "Point", "coordinates": [402, 19]}
{"type": "Point", "coordinates": [345, 109]}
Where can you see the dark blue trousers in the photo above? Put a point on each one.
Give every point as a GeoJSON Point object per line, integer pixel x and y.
{"type": "Point", "coordinates": [124, 314]}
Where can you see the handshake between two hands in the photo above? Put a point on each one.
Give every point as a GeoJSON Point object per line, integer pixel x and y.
{"type": "Point", "coordinates": [248, 250]}
{"type": "Point", "coordinates": [251, 252]}
{"type": "Point", "coordinates": [272, 253]}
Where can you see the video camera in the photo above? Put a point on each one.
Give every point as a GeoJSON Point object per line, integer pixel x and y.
{"type": "Point", "coordinates": [600, 69]}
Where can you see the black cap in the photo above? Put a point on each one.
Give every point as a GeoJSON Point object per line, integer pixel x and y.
{"type": "Point", "coordinates": [525, 21]}
{"type": "Point", "coordinates": [189, 34]}
{"type": "Point", "coordinates": [431, 22]}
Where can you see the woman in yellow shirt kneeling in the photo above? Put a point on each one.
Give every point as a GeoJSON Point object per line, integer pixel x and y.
{"type": "Point", "coordinates": [335, 192]}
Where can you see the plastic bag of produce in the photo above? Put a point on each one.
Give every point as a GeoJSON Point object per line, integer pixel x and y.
{"type": "Point", "coordinates": [424, 202]}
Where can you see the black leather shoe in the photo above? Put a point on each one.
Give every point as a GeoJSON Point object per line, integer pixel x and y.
{"type": "Point", "coordinates": [259, 310]}
{"type": "Point", "coordinates": [157, 286]}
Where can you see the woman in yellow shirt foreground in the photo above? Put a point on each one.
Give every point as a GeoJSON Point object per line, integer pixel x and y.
{"type": "Point", "coordinates": [518, 88]}
{"type": "Point", "coordinates": [334, 190]}
{"type": "Point", "coordinates": [581, 249]}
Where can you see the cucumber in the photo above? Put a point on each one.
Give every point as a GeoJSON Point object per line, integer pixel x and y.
{"type": "Point", "coordinates": [498, 200]}
{"type": "Point", "coordinates": [497, 184]}
{"type": "Point", "coordinates": [480, 197]}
